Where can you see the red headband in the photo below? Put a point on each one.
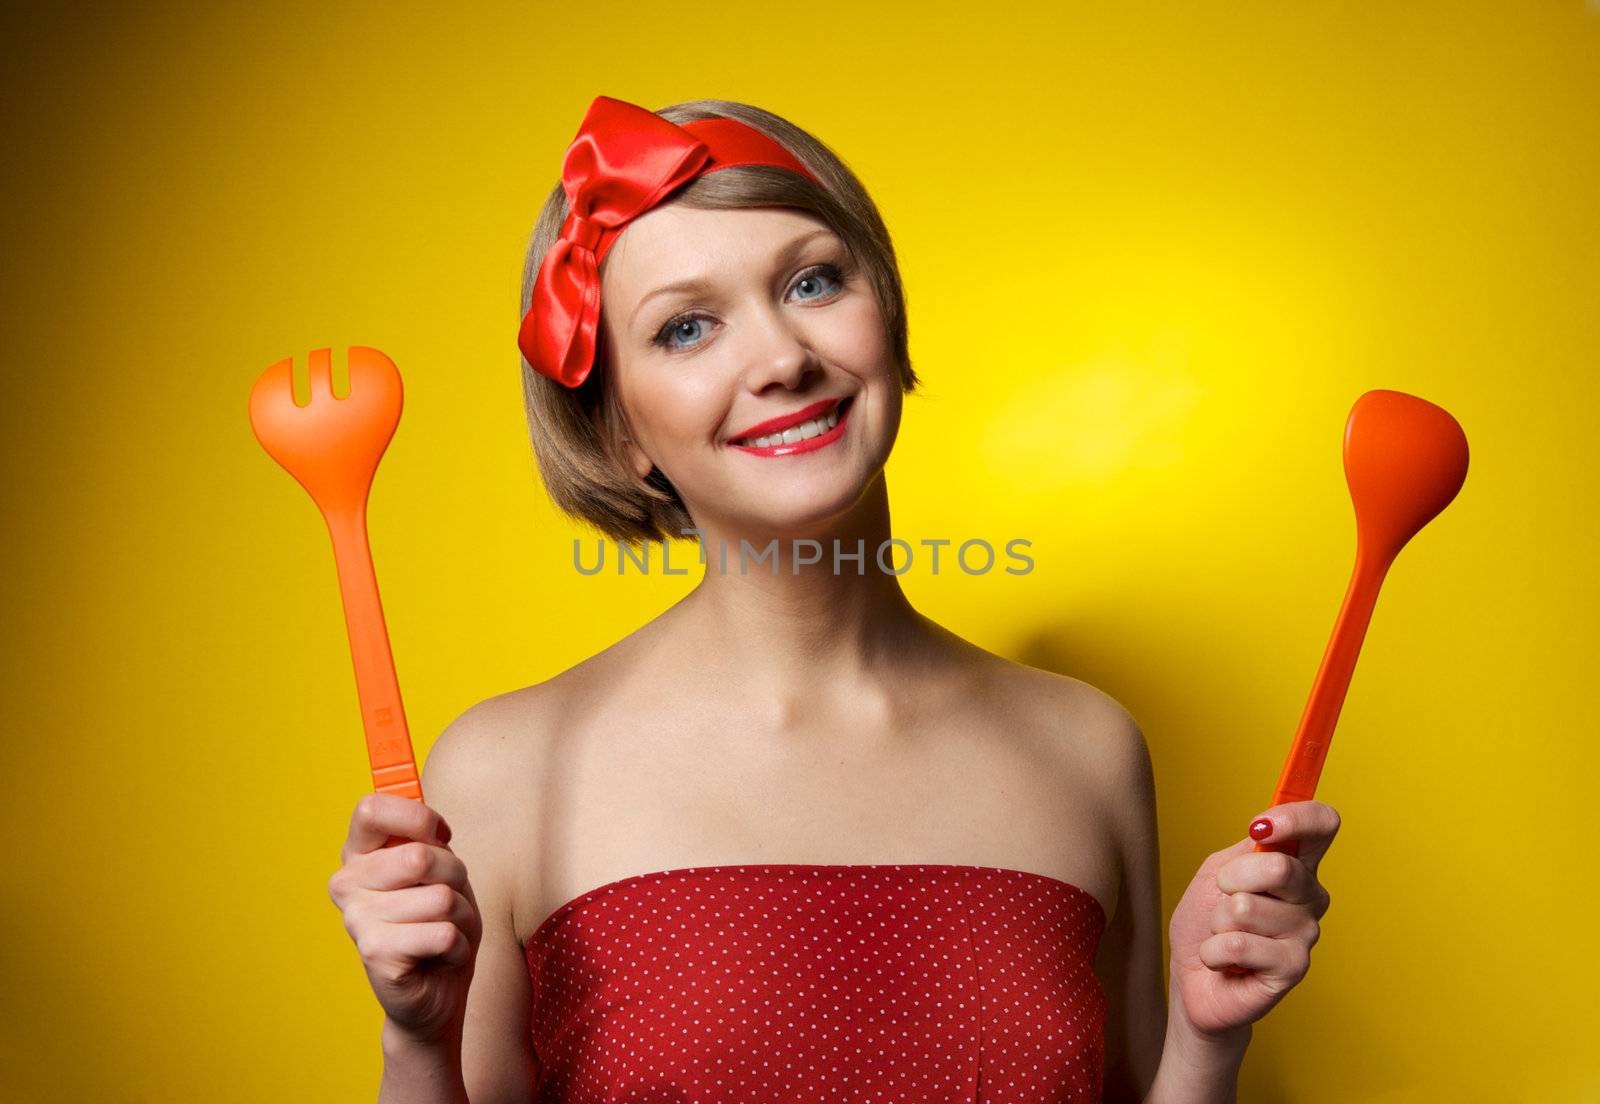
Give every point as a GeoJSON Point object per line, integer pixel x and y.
{"type": "Point", "coordinates": [624, 161]}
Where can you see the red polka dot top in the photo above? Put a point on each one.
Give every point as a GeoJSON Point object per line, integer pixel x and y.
{"type": "Point", "coordinates": [773, 983]}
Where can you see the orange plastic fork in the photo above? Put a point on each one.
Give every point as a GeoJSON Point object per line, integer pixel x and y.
{"type": "Point", "coordinates": [1404, 460]}
{"type": "Point", "coordinates": [332, 447]}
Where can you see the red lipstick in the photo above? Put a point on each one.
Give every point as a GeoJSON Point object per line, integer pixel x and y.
{"type": "Point", "coordinates": [810, 444]}
{"type": "Point", "coordinates": [784, 421]}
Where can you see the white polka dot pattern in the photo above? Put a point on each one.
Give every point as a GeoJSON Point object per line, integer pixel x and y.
{"type": "Point", "coordinates": [768, 983]}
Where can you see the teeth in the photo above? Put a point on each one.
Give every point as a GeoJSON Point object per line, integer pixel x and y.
{"type": "Point", "coordinates": [795, 432]}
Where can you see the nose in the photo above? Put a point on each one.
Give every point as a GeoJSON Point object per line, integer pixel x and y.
{"type": "Point", "coordinates": [777, 352]}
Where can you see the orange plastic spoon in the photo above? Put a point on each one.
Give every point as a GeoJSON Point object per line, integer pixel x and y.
{"type": "Point", "coordinates": [1404, 459]}
{"type": "Point", "coordinates": [332, 447]}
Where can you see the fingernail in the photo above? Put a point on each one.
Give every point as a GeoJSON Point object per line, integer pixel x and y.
{"type": "Point", "coordinates": [1260, 829]}
{"type": "Point", "coordinates": [444, 832]}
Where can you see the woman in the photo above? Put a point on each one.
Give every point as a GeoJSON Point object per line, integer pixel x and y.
{"type": "Point", "coordinates": [790, 840]}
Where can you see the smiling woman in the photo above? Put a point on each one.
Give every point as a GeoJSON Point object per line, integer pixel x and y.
{"type": "Point", "coordinates": [578, 433]}
{"type": "Point", "coordinates": [790, 839]}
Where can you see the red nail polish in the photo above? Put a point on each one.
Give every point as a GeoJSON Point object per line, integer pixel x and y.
{"type": "Point", "coordinates": [1260, 829]}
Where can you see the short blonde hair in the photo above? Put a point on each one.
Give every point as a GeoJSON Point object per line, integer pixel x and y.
{"type": "Point", "coordinates": [576, 431]}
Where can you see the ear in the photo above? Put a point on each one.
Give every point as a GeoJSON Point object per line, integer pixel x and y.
{"type": "Point", "coordinates": [640, 464]}
{"type": "Point", "coordinates": [610, 421]}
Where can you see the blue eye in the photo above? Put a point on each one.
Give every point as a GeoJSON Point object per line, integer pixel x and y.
{"type": "Point", "coordinates": [813, 276]}
{"type": "Point", "coordinates": [676, 326]}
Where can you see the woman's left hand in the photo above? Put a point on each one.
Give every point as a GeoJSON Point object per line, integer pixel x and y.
{"type": "Point", "coordinates": [1242, 933]}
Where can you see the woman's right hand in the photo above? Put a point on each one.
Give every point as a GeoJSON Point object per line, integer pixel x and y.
{"type": "Point", "coordinates": [410, 910]}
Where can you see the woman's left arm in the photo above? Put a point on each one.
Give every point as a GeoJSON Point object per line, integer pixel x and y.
{"type": "Point", "coordinates": [1257, 911]}
{"type": "Point", "coordinates": [1241, 938]}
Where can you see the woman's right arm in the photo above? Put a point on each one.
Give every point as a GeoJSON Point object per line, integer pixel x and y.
{"type": "Point", "coordinates": [455, 1029]}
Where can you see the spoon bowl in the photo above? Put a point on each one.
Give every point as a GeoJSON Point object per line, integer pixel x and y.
{"type": "Point", "coordinates": [1404, 460]}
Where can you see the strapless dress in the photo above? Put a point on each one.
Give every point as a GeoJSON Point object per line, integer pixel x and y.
{"type": "Point", "coordinates": [769, 983]}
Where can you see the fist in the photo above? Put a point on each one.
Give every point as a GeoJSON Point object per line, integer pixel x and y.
{"type": "Point", "coordinates": [410, 910]}
{"type": "Point", "coordinates": [1242, 933]}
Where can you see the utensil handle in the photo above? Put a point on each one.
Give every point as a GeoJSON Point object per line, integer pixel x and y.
{"type": "Point", "coordinates": [383, 717]}
{"type": "Point", "coordinates": [1309, 749]}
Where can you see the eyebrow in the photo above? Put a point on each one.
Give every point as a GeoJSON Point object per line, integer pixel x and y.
{"type": "Point", "coordinates": [700, 283]}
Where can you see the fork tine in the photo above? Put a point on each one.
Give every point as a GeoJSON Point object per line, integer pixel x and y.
{"type": "Point", "coordinates": [321, 374]}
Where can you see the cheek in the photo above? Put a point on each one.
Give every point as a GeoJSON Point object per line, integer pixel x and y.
{"type": "Point", "coordinates": [854, 332]}
{"type": "Point", "coordinates": [680, 417]}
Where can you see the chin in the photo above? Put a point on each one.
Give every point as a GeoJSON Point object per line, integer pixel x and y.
{"type": "Point", "coordinates": [804, 512]}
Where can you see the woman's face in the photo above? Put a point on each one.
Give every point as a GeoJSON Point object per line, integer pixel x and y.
{"type": "Point", "coordinates": [778, 320]}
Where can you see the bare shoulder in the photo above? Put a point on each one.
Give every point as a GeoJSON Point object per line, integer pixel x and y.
{"type": "Point", "coordinates": [489, 765]}
{"type": "Point", "coordinates": [469, 761]}
{"type": "Point", "coordinates": [1085, 730]}
{"type": "Point", "coordinates": [481, 774]}
{"type": "Point", "coordinates": [1094, 738]}
{"type": "Point", "coordinates": [1096, 741]}
{"type": "Point", "coordinates": [1078, 719]}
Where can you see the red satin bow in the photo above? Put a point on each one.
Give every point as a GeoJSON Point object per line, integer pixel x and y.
{"type": "Point", "coordinates": [624, 161]}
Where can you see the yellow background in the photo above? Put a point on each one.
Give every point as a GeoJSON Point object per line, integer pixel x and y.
{"type": "Point", "coordinates": [1153, 253]}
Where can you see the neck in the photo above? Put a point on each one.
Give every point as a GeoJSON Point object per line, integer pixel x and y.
{"type": "Point", "coordinates": [797, 636]}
